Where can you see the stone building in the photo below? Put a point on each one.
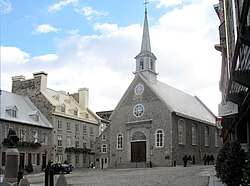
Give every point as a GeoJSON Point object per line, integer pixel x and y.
{"type": "Point", "coordinates": [156, 124]}
{"type": "Point", "coordinates": [76, 127]}
{"type": "Point", "coordinates": [33, 129]}
{"type": "Point", "coordinates": [234, 85]}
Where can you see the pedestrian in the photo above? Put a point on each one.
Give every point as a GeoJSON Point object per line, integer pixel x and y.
{"type": "Point", "coordinates": [205, 159]}
{"type": "Point", "coordinates": [185, 160]}
{"type": "Point", "coordinates": [211, 159]}
{"type": "Point", "coordinates": [208, 160]}
{"type": "Point", "coordinates": [189, 161]}
{"type": "Point", "coordinates": [193, 160]}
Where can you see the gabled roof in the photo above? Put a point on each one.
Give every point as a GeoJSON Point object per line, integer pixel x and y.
{"type": "Point", "coordinates": [181, 103]}
{"type": "Point", "coordinates": [24, 107]}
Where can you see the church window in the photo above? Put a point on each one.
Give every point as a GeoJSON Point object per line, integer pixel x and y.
{"type": "Point", "coordinates": [206, 136]}
{"type": "Point", "coordinates": [151, 64]}
{"type": "Point", "coordinates": [104, 148]}
{"type": "Point", "coordinates": [138, 110]}
{"type": "Point", "coordinates": [138, 136]}
{"type": "Point", "coordinates": [181, 132]}
{"type": "Point", "coordinates": [194, 134]}
{"type": "Point", "coordinates": [159, 138]}
{"type": "Point", "coordinates": [119, 141]}
{"type": "Point", "coordinates": [141, 64]}
{"type": "Point", "coordinates": [139, 89]}
{"type": "Point", "coordinates": [216, 138]}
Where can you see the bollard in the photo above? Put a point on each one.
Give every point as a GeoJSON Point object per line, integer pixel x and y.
{"type": "Point", "coordinates": [19, 176]}
{"type": "Point", "coordinates": [51, 177]}
{"type": "Point", "coordinates": [46, 177]}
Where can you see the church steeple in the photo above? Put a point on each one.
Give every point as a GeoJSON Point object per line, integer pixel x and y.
{"type": "Point", "coordinates": [145, 60]}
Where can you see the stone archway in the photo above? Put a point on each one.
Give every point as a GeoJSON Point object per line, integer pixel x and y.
{"type": "Point", "coordinates": [138, 147]}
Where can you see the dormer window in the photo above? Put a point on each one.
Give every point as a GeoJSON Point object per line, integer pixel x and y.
{"type": "Point", "coordinates": [63, 108]}
{"type": "Point", "coordinates": [34, 115]}
{"type": "Point", "coordinates": [141, 64]}
{"type": "Point", "coordinates": [67, 100]}
{"type": "Point", "coordinates": [12, 111]}
{"type": "Point", "coordinates": [76, 112]}
{"type": "Point", "coordinates": [56, 97]}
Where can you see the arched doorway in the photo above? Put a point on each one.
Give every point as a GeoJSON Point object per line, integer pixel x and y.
{"type": "Point", "coordinates": [138, 147]}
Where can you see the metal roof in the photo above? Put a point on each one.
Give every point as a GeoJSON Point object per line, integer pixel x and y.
{"type": "Point", "coordinates": [25, 110]}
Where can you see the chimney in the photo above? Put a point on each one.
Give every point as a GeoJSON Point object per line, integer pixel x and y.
{"type": "Point", "coordinates": [84, 97]}
{"type": "Point", "coordinates": [18, 78]}
{"type": "Point", "coordinates": [43, 80]}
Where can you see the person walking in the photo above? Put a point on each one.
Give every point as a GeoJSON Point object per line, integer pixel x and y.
{"type": "Point", "coordinates": [189, 159]}
{"type": "Point", "coordinates": [184, 159]}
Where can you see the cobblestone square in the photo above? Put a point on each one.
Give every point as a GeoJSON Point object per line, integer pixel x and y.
{"type": "Point", "coordinates": [169, 176]}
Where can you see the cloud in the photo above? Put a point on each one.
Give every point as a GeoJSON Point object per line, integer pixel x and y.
{"type": "Point", "coordinates": [46, 28]}
{"type": "Point", "coordinates": [58, 6]}
{"type": "Point", "coordinates": [5, 7]}
{"type": "Point", "coordinates": [181, 40]}
{"type": "Point", "coordinates": [90, 13]}
{"type": "Point", "coordinates": [13, 55]}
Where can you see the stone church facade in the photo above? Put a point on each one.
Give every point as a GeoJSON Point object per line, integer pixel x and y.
{"type": "Point", "coordinates": [156, 124]}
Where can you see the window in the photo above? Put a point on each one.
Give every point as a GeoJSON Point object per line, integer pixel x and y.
{"type": "Point", "coordinates": [12, 111]}
{"type": "Point", "coordinates": [91, 144]}
{"type": "Point", "coordinates": [59, 125]}
{"type": "Point", "coordinates": [206, 136]}
{"type": "Point", "coordinates": [84, 129]}
{"type": "Point", "coordinates": [68, 127]}
{"type": "Point", "coordinates": [181, 132]}
{"type": "Point", "coordinates": [84, 159]}
{"type": "Point", "coordinates": [77, 159]}
{"type": "Point", "coordinates": [44, 139]}
{"type": "Point", "coordinates": [194, 134]}
{"type": "Point", "coordinates": [84, 145]}
{"type": "Point", "coordinates": [63, 108]}
{"type": "Point", "coordinates": [151, 64]}
{"type": "Point", "coordinates": [141, 64]}
{"type": "Point", "coordinates": [33, 158]}
{"type": "Point", "coordinates": [119, 141]}
{"type": "Point", "coordinates": [138, 110]}
{"type": "Point", "coordinates": [59, 141]}
{"type": "Point", "coordinates": [59, 158]}
{"type": "Point", "coordinates": [77, 128]}
{"type": "Point", "coordinates": [69, 158]}
{"type": "Point", "coordinates": [159, 138]}
{"type": "Point", "coordinates": [91, 131]}
{"type": "Point", "coordinates": [77, 143]}
{"type": "Point", "coordinates": [104, 148]}
{"type": "Point", "coordinates": [103, 137]}
{"type": "Point", "coordinates": [76, 112]}
{"type": "Point", "coordinates": [216, 138]}
{"type": "Point", "coordinates": [34, 136]}
{"type": "Point", "coordinates": [68, 141]}
{"type": "Point", "coordinates": [22, 134]}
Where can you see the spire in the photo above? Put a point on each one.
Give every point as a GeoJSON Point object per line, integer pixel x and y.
{"type": "Point", "coordinates": [145, 45]}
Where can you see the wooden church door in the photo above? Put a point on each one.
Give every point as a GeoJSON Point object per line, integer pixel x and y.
{"type": "Point", "coordinates": [138, 151]}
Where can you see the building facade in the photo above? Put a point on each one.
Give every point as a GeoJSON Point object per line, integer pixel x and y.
{"type": "Point", "coordinates": [76, 127]}
{"type": "Point", "coordinates": [32, 128]}
{"type": "Point", "coordinates": [234, 46]}
{"type": "Point", "coordinates": [155, 124]}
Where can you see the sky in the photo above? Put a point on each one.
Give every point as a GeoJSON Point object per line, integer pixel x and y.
{"type": "Point", "coordinates": [92, 43]}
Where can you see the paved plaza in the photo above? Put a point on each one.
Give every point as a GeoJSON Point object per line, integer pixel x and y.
{"type": "Point", "coordinates": [179, 176]}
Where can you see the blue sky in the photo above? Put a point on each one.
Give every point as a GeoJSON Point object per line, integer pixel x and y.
{"type": "Point", "coordinates": [92, 43]}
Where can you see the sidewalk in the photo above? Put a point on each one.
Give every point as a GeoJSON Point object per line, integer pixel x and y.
{"type": "Point", "coordinates": [214, 181]}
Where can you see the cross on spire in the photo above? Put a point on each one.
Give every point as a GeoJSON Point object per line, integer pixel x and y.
{"type": "Point", "coordinates": [145, 4]}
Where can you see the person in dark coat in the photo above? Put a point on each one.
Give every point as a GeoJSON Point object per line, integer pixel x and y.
{"type": "Point", "coordinates": [185, 159]}
{"type": "Point", "coordinates": [205, 159]}
{"type": "Point", "coordinates": [211, 159]}
{"type": "Point", "coordinates": [189, 161]}
{"type": "Point", "coordinates": [193, 160]}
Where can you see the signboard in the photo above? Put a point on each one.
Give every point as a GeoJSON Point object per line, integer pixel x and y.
{"type": "Point", "coordinates": [227, 108]}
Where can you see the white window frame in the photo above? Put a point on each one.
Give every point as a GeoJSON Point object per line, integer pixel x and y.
{"type": "Point", "coordinates": [68, 141]}
{"type": "Point", "coordinates": [59, 140]}
{"type": "Point", "coordinates": [206, 136]}
{"type": "Point", "coordinates": [216, 138]}
{"type": "Point", "coordinates": [159, 138]}
{"type": "Point", "coordinates": [68, 127]}
{"type": "Point", "coordinates": [104, 137]}
{"type": "Point", "coordinates": [77, 159]}
{"type": "Point", "coordinates": [194, 134]}
{"type": "Point", "coordinates": [120, 141]}
{"type": "Point", "coordinates": [181, 132]}
{"type": "Point", "coordinates": [104, 148]}
{"type": "Point", "coordinates": [33, 158]}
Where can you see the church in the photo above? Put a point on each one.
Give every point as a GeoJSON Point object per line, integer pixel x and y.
{"type": "Point", "coordinates": [155, 124]}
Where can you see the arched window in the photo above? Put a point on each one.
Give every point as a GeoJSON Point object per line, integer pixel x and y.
{"type": "Point", "coordinates": [138, 136]}
{"type": "Point", "coordinates": [194, 134]}
{"type": "Point", "coordinates": [159, 138]}
{"type": "Point", "coordinates": [216, 138]}
{"type": "Point", "coordinates": [119, 141]}
{"type": "Point", "coordinates": [181, 132]}
{"type": "Point", "coordinates": [151, 64]}
{"type": "Point", "coordinates": [141, 64]}
{"type": "Point", "coordinates": [206, 136]}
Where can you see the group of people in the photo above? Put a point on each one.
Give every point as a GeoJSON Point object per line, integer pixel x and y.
{"type": "Point", "coordinates": [188, 161]}
{"type": "Point", "coordinates": [208, 159]}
